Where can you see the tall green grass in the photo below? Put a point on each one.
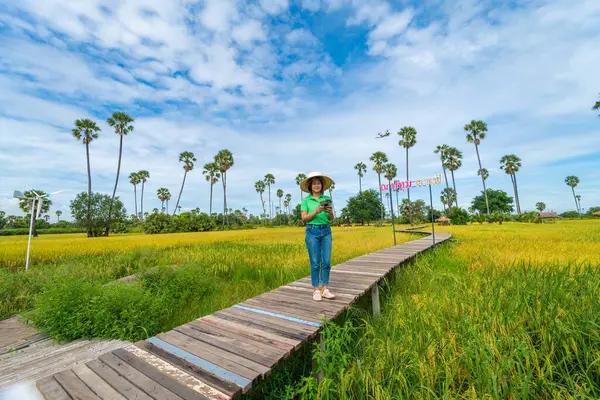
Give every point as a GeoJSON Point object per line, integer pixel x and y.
{"type": "Point", "coordinates": [448, 331]}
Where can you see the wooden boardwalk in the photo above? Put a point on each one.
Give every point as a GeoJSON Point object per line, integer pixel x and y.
{"type": "Point", "coordinates": [222, 355]}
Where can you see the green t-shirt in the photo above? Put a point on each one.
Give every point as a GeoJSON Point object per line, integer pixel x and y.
{"type": "Point", "coordinates": [310, 204]}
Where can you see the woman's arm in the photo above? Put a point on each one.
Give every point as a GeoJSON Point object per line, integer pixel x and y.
{"type": "Point", "coordinates": [309, 216]}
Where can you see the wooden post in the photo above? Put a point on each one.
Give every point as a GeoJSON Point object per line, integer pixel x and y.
{"type": "Point", "coordinates": [319, 375]}
{"type": "Point", "coordinates": [375, 299]}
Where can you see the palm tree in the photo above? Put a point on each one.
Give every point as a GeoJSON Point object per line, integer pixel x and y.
{"type": "Point", "coordinates": [86, 130]}
{"type": "Point", "coordinates": [123, 125]}
{"type": "Point", "coordinates": [540, 206]}
{"type": "Point", "coordinates": [390, 171]}
{"type": "Point", "coordinates": [135, 180]}
{"type": "Point", "coordinates": [299, 178]}
{"type": "Point", "coordinates": [379, 159]}
{"type": "Point", "coordinates": [573, 181]}
{"type": "Point", "coordinates": [260, 189]}
{"type": "Point", "coordinates": [212, 175]}
{"type": "Point", "coordinates": [453, 162]}
{"type": "Point", "coordinates": [597, 107]}
{"type": "Point", "coordinates": [286, 204]}
{"type": "Point", "coordinates": [161, 194]}
{"type": "Point", "coordinates": [224, 160]}
{"type": "Point", "coordinates": [167, 198]}
{"type": "Point", "coordinates": [448, 197]}
{"type": "Point", "coordinates": [288, 198]}
{"type": "Point", "coordinates": [578, 197]}
{"type": "Point", "coordinates": [361, 170]}
{"type": "Point", "coordinates": [280, 195]}
{"type": "Point", "coordinates": [511, 164]}
{"type": "Point", "coordinates": [442, 149]}
{"type": "Point", "coordinates": [408, 136]}
{"type": "Point", "coordinates": [58, 214]}
{"type": "Point", "coordinates": [144, 176]}
{"type": "Point", "coordinates": [188, 160]}
{"type": "Point", "coordinates": [270, 180]}
{"type": "Point", "coordinates": [477, 131]}
{"type": "Point", "coordinates": [484, 173]}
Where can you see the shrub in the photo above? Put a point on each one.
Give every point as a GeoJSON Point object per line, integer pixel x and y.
{"type": "Point", "coordinates": [158, 223]}
{"type": "Point", "coordinates": [47, 231]}
{"type": "Point", "coordinates": [458, 216]}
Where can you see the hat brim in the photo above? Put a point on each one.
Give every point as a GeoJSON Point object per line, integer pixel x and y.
{"type": "Point", "coordinates": [325, 180]}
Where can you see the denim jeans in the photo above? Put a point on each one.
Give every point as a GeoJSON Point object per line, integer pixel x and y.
{"type": "Point", "coordinates": [318, 243]}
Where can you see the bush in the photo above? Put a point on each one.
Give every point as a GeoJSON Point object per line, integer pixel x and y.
{"type": "Point", "coordinates": [458, 216]}
{"type": "Point", "coordinates": [158, 223]}
{"type": "Point", "coordinates": [47, 231]}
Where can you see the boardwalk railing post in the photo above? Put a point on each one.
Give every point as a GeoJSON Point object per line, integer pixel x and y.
{"type": "Point", "coordinates": [315, 362]}
{"type": "Point", "coordinates": [375, 299]}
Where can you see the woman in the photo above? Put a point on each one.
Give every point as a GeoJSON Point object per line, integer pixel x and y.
{"type": "Point", "coordinates": [318, 232]}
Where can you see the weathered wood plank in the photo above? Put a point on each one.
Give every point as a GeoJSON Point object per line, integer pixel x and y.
{"type": "Point", "coordinates": [203, 389]}
{"type": "Point", "coordinates": [222, 385]}
{"type": "Point", "coordinates": [116, 381]}
{"type": "Point", "coordinates": [149, 386]}
{"type": "Point", "coordinates": [158, 376]}
{"type": "Point", "coordinates": [74, 386]}
{"type": "Point", "coordinates": [97, 384]}
{"type": "Point", "coordinates": [313, 317]}
{"type": "Point", "coordinates": [288, 329]}
{"type": "Point", "coordinates": [51, 390]}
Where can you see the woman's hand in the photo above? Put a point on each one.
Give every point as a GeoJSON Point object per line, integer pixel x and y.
{"type": "Point", "coordinates": [319, 209]}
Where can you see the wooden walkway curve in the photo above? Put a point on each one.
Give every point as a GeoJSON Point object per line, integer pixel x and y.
{"type": "Point", "coordinates": [222, 355]}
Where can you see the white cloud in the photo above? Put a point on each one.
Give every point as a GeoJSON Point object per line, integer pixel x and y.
{"type": "Point", "coordinates": [392, 25]}
{"type": "Point", "coordinates": [218, 14]}
{"type": "Point", "coordinates": [249, 31]}
{"type": "Point", "coordinates": [274, 6]}
{"type": "Point", "coordinates": [311, 5]}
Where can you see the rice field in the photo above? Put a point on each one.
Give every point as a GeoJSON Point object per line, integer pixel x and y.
{"type": "Point", "coordinates": [181, 276]}
{"type": "Point", "coordinates": [507, 312]}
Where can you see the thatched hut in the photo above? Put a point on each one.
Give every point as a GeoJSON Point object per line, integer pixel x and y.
{"type": "Point", "coordinates": [596, 214]}
{"type": "Point", "coordinates": [443, 220]}
{"type": "Point", "coordinates": [548, 216]}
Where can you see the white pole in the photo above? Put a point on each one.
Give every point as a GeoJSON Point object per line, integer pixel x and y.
{"type": "Point", "coordinates": [30, 232]}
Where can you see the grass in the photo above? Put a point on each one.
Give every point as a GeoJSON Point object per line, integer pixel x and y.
{"type": "Point", "coordinates": [509, 312]}
{"type": "Point", "coordinates": [67, 296]}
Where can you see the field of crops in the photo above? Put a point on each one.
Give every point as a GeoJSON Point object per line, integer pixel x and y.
{"type": "Point", "coordinates": [197, 273]}
{"type": "Point", "coordinates": [508, 312]}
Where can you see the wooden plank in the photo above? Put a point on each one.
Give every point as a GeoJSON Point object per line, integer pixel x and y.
{"type": "Point", "coordinates": [192, 346]}
{"type": "Point", "coordinates": [312, 317]}
{"type": "Point", "coordinates": [338, 301]}
{"type": "Point", "coordinates": [150, 387]}
{"type": "Point", "coordinates": [204, 390]}
{"type": "Point", "coordinates": [225, 339]}
{"type": "Point", "coordinates": [116, 381]}
{"type": "Point", "coordinates": [158, 376]}
{"type": "Point", "coordinates": [51, 390]}
{"type": "Point", "coordinates": [74, 386]}
{"type": "Point", "coordinates": [308, 290]}
{"type": "Point", "coordinates": [244, 354]}
{"type": "Point", "coordinates": [346, 291]}
{"type": "Point", "coordinates": [296, 306]}
{"type": "Point", "coordinates": [347, 271]}
{"type": "Point", "coordinates": [301, 302]}
{"type": "Point", "coordinates": [275, 325]}
{"type": "Point", "coordinates": [209, 379]}
{"type": "Point", "coordinates": [262, 335]}
{"type": "Point", "coordinates": [97, 384]}
{"type": "Point", "coordinates": [341, 284]}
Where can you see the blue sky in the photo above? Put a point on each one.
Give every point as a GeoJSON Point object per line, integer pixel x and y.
{"type": "Point", "coordinates": [293, 86]}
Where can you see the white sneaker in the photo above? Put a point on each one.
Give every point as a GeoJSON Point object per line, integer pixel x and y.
{"type": "Point", "coordinates": [327, 294]}
{"type": "Point", "coordinates": [317, 295]}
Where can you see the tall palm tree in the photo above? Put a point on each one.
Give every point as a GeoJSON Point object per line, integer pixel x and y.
{"type": "Point", "coordinates": [511, 164]}
{"type": "Point", "coordinates": [476, 134]}
{"type": "Point", "coordinates": [288, 198]}
{"type": "Point", "coordinates": [299, 178]}
{"type": "Point", "coordinates": [224, 160]}
{"type": "Point", "coordinates": [390, 171]}
{"type": "Point", "coordinates": [58, 214]}
{"type": "Point", "coordinates": [441, 150]}
{"type": "Point", "coordinates": [286, 204]}
{"type": "Point", "coordinates": [160, 193]}
{"type": "Point", "coordinates": [167, 198]}
{"type": "Point", "coordinates": [540, 206]}
{"type": "Point", "coordinates": [597, 107]}
{"type": "Point", "coordinates": [212, 175]}
{"type": "Point", "coordinates": [260, 189]}
{"type": "Point", "coordinates": [280, 195]}
{"type": "Point", "coordinates": [578, 197]}
{"type": "Point", "coordinates": [86, 130]}
{"type": "Point", "coordinates": [573, 181]}
{"type": "Point", "coordinates": [448, 197]}
{"type": "Point", "coordinates": [270, 180]}
{"type": "Point", "coordinates": [144, 176]}
{"type": "Point", "coordinates": [122, 123]}
{"type": "Point", "coordinates": [135, 180]}
{"type": "Point", "coordinates": [379, 158]}
{"type": "Point", "coordinates": [453, 162]}
{"type": "Point", "coordinates": [361, 170]}
{"type": "Point", "coordinates": [408, 138]}
{"type": "Point", "coordinates": [484, 173]}
{"type": "Point", "coordinates": [188, 160]}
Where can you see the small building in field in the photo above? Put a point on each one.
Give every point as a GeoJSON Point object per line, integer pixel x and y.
{"type": "Point", "coordinates": [548, 216]}
{"type": "Point", "coordinates": [596, 214]}
{"type": "Point", "coordinates": [443, 220]}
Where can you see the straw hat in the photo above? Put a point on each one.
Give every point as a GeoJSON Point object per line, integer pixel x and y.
{"type": "Point", "coordinates": [325, 180]}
